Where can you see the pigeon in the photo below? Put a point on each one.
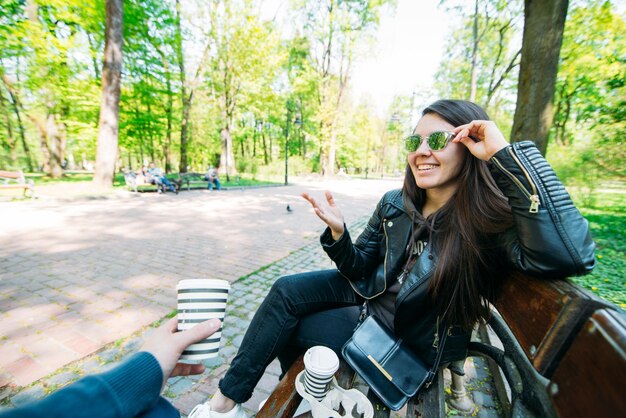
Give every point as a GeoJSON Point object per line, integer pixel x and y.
{"type": "Point", "coordinates": [289, 209]}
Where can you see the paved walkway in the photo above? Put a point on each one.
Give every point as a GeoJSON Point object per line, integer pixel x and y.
{"type": "Point", "coordinates": [77, 274]}
{"type": "Point", "coordinates": [112, 266]}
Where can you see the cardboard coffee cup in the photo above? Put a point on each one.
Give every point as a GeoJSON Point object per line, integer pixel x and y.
{"type": "Point", "coordinates": [199, 300]}
{"type": "Point", "coordinates": [320, 364]}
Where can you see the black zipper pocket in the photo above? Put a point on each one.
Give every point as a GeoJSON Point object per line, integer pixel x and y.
{"type": "Point", "coordinates": [532, 196]}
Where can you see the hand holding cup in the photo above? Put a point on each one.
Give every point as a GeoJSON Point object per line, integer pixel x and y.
{"type": "Point", "coordinates": [198, 301]}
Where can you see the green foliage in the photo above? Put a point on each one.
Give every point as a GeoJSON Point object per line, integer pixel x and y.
{"type": "Point", "coordinates": [591, 91]}
{"type": "Point", "coordinates": [337, 32]}
{"type": "Point", "coordinates": [607, 219]}
{"type": "Point", "coordinates": [261, 82]}
{"type": "Point", "coordinates": [244, 75]}
{"type": "Point", "coordinates": [575, 167]}
{"type": "Point", "coordinates": [497, 59]}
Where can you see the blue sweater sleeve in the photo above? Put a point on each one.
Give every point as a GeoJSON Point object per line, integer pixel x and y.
{"type": "Point", "coordinates": [123, 391]}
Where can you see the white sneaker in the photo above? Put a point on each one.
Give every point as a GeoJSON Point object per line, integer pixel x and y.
{"type": "Point", "coordinates": [203, 410]}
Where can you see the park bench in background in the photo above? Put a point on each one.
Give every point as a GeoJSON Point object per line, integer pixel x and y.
{"type": "Point", "coordinates": [193, 181]}
{"type": "Point", "coordinates": [560, 349]}
{"type": "Point", "coordinates": [139, 183]}
{"type": "Point", "coordinates": [16, 180]}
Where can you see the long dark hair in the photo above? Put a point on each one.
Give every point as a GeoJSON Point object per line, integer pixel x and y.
{"type": "Point", "coordinates": [467, 229]}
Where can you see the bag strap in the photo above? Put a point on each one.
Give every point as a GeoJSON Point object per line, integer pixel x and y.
{"type": "Point", "coordinates": [433, 370]}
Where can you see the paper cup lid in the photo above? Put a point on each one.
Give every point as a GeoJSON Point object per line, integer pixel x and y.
{"type": "Point", "coordinates": [203, 284]}
{"type": "Point", "coordinates": [322, 360]}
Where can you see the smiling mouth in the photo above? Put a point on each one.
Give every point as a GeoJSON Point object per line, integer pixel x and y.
{"type": "Point", "coordinates": [426, 167]}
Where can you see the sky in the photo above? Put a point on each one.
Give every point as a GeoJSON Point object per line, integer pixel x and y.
{"type": "Point", "coordinates": [409, 46]}
{"type": "Point", "coordinates": [407, 55]}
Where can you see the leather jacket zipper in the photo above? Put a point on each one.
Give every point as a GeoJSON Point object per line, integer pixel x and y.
{"type": "Point", "coordinates": [384, 267]}
{"type": "Point", "coordinates": [532, 196]}
{"type": "Point", "coordinates": [436, 336]}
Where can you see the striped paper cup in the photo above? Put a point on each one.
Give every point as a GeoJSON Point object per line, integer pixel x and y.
{"type": "Point", "coordinates": [199, 300]}
{"type": "Point", "coordinates": [320, 364]}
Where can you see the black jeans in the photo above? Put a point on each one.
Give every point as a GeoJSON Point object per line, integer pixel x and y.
{"type": "Point", "coordinates": [300, 311]}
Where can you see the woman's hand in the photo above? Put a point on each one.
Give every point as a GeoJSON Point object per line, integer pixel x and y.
{"type": "Point", "coordinates": [490, 139]}
{"type": "Point", "coordinates": [328, 213]}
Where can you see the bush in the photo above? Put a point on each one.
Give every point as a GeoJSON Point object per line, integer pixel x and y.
{"type": "Point", "coordinates": [574, 166]}
{"type": "Point", "coordinates": [608, 223]}
{"type": "Point", "coordinates": [297, 166]}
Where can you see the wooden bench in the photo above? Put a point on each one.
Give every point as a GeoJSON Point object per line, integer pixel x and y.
{"type": "Point", "coordinates": [560, 350]}
{"type": "Point", "coordinates": [16, 180]}
{"type": "Point", "coordinates": [139, 183]}
{"type": "Point", "coordinates": [193, 181]}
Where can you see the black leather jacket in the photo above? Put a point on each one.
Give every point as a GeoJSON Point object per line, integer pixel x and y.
{"type": "Point", "coordinates": [550, 238]}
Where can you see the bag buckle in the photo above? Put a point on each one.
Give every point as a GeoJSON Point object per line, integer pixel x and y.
{"type": "Point", "coordinates": [429, 379]}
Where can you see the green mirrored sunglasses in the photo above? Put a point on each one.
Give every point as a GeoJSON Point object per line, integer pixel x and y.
{"type": "Point", "coordinates": [436, 141]}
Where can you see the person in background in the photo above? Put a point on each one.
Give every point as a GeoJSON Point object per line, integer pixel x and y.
{"type": "Point", "coordinates": [131, 389]}
{"type": "Point", "coordinates": [159, 178]}
{"type": "Point", "coordinates": [212, 176]}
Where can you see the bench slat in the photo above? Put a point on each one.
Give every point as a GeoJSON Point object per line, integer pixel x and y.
{"type": "Point", "coordinates": [430, 402]}
{"type": "Point", "coordinates": [16, 180]}
{"type": "Point", "coordinates": [11, 174]}
{"type": "Point", "coordinates": [590, 378]}
{"type": "Point", "coordinates": [544, 316]}
{"type": "Point", "coordinates": [15, 186]}
{"type": "Point", "coordinates": [284, 400]}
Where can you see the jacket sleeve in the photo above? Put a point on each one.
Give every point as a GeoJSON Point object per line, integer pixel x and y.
{"type": "Point", "coordinates": [355, 261]}
{"type": "Point", "coordinates": [124, 391]}
{"type": "Point", "coordinates": [550, 237]}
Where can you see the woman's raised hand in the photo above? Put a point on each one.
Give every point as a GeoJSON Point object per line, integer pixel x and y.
{"type": "Point", "coordinates": [329, 213]}
{"type": "Point", "coordinates": [489, 139]}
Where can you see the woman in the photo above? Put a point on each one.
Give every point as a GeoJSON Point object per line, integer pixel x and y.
{"type": "Point", "coordinates": [472, 207]}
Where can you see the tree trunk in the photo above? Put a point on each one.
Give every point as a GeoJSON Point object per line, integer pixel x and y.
{"type": "Point", "coordinates": [544, 22]}
{"type": "Point", "coordinates": [56, 144]}
{"type": "Point", "coordinates": [228, 97]}
{"type": "Point", "coordinates": [254, 139]}
{"type": "Point", "coordinates": [94, 58]}
{"type": "Point", "coordinates": [43, 140]}
{"type": "Point", "coordinates": [332, 152]}
{"type": "Point", "coordinates": [150, 134]}
{"type": "Point", "coordinates": [169, 114]}
{"type": "Point", "coordinates": [10, 139]}
{"type": "Point", "coordinates": [264, 142]}
{"type": "Point", "coordinates": [474, 70]}
{"type": "Point", "coordinates": [186, 97]}
{"type": "Point", "coordinates": [108, 125]}
{"type": "Point", "coordinates": [227, 159]}
{"type": "Point", "coordinates": [15, 102]}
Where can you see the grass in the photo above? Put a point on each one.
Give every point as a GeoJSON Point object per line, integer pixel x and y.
{"type": "Point", "coordinates": [41, 179]}
{"type": "Point", "coordinates": [607, 219]}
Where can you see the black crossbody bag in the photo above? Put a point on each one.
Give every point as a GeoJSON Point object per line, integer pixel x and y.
{"type": "Point", "coordinates": [390, 368]}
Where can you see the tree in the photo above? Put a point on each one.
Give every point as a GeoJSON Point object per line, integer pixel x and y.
{"type": "Point", "coordinates": [590, 59]}
{"type": "Point", "coordinates": [544, 22]}
{"type": "Point", "coordinates": [12, 30]}
{"type": "Point", "coordinates": [245, 56]}
{"type": "Point", "coordinates": [589, 117]}
{"type": "Point", "coordinates": [337, 29]}
{"type": "Point", "coordinates": [185, 95]}
{"type": "Point", "coordinates": [483, 55]}
{"type": "Point", "coordinates": [150, 108]}
{"type": "Point", "coordinates": [44, 76]}
{"type": "Point", "coordinates": [111, 86]}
